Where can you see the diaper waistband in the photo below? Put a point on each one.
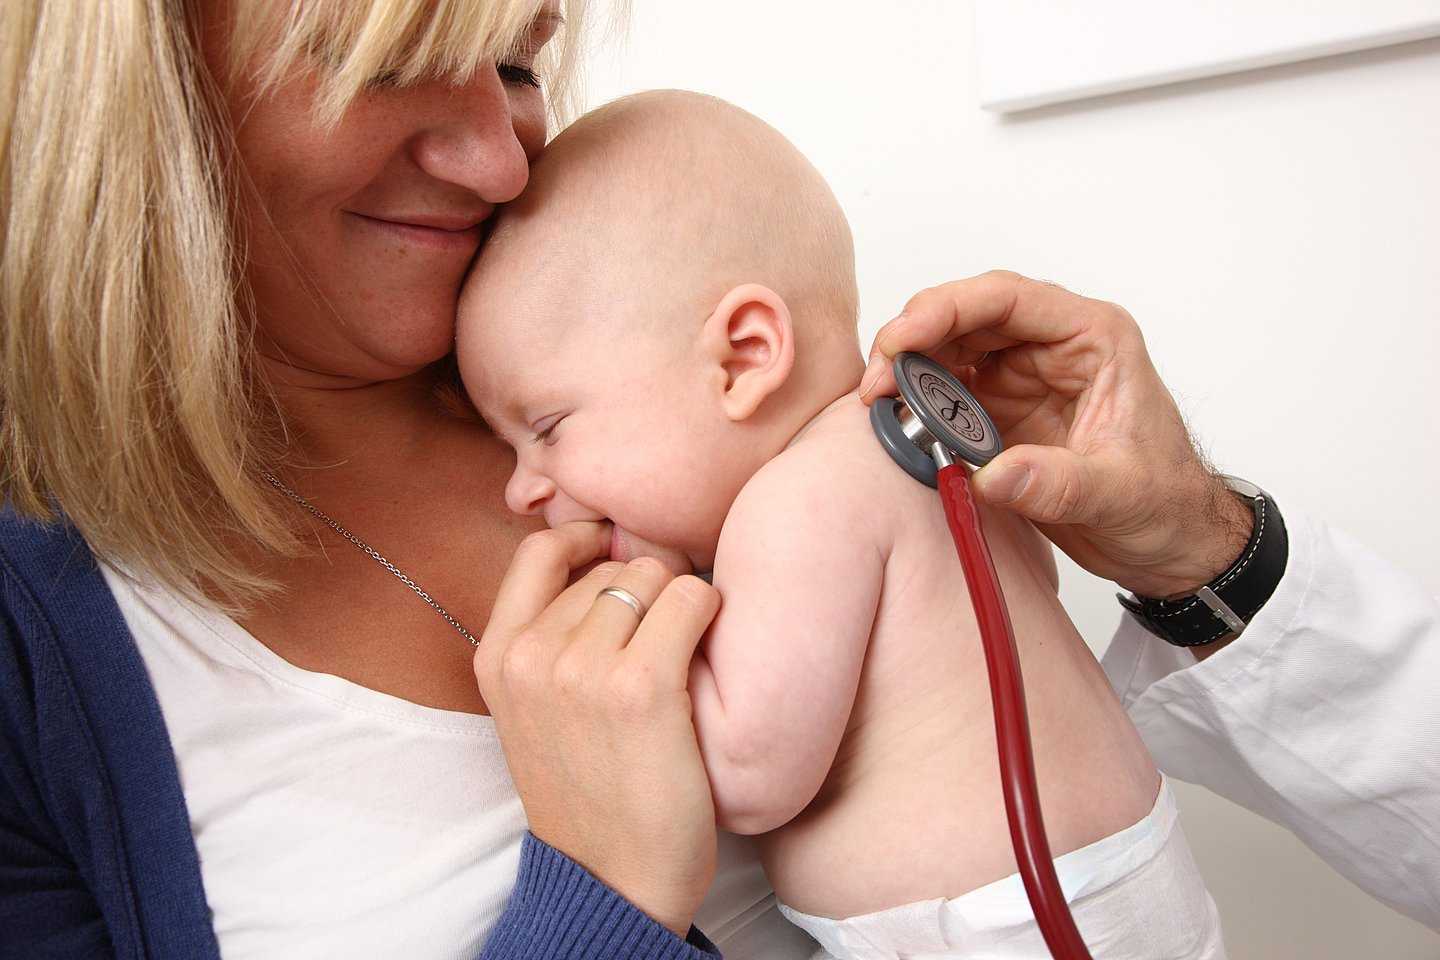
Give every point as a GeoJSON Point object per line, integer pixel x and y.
{"type": "Point", "coordinates": [1081, 872]}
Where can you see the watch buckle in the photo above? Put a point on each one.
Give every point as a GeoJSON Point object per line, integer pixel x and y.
{"type": "Point", "coordinates": [1221, 610]}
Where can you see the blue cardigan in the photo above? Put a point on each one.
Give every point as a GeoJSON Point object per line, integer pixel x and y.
{"type": "Point", "coordinates": [96, 856]}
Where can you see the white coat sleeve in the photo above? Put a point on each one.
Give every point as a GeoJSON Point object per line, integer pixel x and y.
{"type": "Point", "coordinates": [1323, 716]}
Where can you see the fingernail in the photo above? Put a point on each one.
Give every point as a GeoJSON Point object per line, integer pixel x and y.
{"type": "Point", "coordinates": [886, 330]}
{"type": "Point", "coordinates": [873, 369]}
{"type": "Point", "coordinates": [1007, 485]}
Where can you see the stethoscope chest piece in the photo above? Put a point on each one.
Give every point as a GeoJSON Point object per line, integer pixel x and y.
{"type": "Point", "coordinates": [934, 407]}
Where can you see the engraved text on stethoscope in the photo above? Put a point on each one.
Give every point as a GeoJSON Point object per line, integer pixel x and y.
{"type": "Point", "coordinates": [959, 414]}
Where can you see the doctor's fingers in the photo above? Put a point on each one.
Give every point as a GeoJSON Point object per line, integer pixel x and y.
{"type": "Point", "coordinates": [958, 322]}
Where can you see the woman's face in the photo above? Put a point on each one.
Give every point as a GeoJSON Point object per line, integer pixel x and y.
{"type": "Point", "coordinates": [359, 233]}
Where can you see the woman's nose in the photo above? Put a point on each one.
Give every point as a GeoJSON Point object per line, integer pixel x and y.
{"type": "Point", "coordinates": [479, 140]}
{"type": "Point", "coordinates": [528, 491]}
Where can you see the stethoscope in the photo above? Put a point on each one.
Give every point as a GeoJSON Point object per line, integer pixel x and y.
{"type": "Point", "coordinates": [934, 422]}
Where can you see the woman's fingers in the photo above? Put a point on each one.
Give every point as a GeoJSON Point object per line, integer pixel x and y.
{"type": "Point", "coordinates": [645, 655]}
{"type": "Point", "coordinates": [535, 611]}
{"type": "Point", "coordinates": [611, 621]}
{"type": "Point", "coordinates": [590, 702]}
{"type": "Point", "coordinates": [677, 620]}
{"type": "Point", "coordinates": [542, 567]}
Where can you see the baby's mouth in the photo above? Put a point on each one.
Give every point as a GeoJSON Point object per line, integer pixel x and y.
{"type": "Point", "coordinates": [619, 543]}
{"type": "Point", "coordinates": [626, 546]}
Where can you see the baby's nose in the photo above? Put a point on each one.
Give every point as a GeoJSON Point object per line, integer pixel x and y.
{"type": "Point", "coordinates": [528, 492]}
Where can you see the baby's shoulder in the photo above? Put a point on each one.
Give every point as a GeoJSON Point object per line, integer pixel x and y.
{"type": "Point", "coordinates": [832, 492]}
{"type": "Point", "coordinates": [839, 456]}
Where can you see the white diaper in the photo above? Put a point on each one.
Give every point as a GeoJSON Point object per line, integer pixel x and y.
{"type": "Point", "coordinates": [1135, 895]}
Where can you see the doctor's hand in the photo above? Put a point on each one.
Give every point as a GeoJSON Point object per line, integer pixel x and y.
{"type": "Point", "coordinates": [590, 701]}
{"type": "Point", "coordinates": [1097, 455]}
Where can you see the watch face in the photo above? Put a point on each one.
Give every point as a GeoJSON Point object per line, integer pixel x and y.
{"type": "Point", "coordinates": [947, 409]}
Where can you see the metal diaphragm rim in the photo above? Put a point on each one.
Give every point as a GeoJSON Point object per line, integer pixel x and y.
{"type": "Point", "coordinates": [947, 409]}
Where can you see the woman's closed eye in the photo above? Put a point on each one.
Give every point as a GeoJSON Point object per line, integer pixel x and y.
{"type": "Point", "coordinates": [518, 74]}
{"type": "Point", "coordinates": [514, 74]}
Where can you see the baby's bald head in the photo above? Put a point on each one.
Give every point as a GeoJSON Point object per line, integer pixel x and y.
{"type": "Point", "coordinates": [669, 199]}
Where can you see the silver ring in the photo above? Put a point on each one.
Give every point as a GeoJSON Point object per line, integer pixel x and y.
{"type": "Point", "coordinates": [625, 597]}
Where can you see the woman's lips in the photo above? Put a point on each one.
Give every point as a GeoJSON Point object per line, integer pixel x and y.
{"type": "Point", "coordinates": [447, 233]}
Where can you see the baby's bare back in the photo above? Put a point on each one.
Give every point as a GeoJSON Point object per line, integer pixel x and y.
{"type": "Point", "coordinates": [912, 807]}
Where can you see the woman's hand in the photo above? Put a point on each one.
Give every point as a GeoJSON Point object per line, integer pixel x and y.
{"type": "Point", "coordinates": [1098, 454]}
{"type": "Point", "coordinates": [592, 709]}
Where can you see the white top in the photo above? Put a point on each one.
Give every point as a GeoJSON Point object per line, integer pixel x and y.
{"type": "Point", "coordinates": [336, 821]}
{"type": "Point", "coordinates": [1324, 716]}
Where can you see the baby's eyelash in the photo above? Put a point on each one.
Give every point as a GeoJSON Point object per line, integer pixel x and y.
{"type": "Point", "coordinates": [544, 428]}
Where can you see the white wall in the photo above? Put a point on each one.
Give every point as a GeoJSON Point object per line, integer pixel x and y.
{"type": "Point", "coordinates": [1276, 233]}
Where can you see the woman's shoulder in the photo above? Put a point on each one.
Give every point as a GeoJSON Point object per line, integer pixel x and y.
{"type": "Point", "coordinates": [83, 741]}
{"type": "Point", "coordinates": [47, 564]}
{"type": "Point", "coordinates": [61, 631]}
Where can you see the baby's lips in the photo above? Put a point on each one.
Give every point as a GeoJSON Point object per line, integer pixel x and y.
{"type": "Point", "coordinates": [624, 546]}
{"type": "Point", "coordinates": [619, 544]}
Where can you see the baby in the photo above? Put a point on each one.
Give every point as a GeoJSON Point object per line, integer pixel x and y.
{"type": "Point", "coordinates": [663, 326]}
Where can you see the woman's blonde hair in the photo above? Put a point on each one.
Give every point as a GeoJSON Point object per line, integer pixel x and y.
{"type": "Point", "coordinates": [128, 400]}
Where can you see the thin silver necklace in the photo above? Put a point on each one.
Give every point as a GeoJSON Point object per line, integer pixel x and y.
{"type": "Point", "coordinates": [371, 553]}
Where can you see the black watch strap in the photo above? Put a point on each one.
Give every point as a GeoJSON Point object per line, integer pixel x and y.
{"type": "Point", "coordinates": [1227, 603]}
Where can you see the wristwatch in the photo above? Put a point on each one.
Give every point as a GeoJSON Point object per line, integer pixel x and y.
{"type": "Point", "coordinates": [1227, 603]}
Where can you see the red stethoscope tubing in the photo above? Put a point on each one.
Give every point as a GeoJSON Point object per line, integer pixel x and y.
{"type": "Point", "coordinates": [1012, 726]}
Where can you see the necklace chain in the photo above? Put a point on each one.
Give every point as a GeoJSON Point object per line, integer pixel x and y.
{"type": "Point", "coordinates": [371, 553]}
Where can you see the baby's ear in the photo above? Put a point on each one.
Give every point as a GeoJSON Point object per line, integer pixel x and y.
{"type": "Point", "coordinates": [751, 337]}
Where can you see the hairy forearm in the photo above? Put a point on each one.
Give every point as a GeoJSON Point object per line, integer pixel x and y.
{"type": "Point", "coordinates": [1211, 533]}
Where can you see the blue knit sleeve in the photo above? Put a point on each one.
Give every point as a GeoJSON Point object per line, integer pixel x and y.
{"type": "Point", "coordinates": [559, 911]}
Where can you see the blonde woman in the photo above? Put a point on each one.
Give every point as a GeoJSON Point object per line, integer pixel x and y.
{"type": "Point", "coordinates": [248, 553]}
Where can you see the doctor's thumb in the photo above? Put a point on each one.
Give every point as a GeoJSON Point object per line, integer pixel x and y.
{"type": "Point", "coordinates": [1042, 484]}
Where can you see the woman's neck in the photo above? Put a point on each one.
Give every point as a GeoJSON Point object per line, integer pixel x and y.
{"type": "Point", "coordinates": [422, 487]}
{"type": "Point", "coordinates": [328, 421]}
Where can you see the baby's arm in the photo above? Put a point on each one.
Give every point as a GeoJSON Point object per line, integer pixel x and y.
{"type": "Point", "coordinates": [799, 571]}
